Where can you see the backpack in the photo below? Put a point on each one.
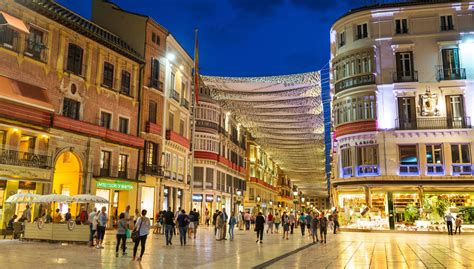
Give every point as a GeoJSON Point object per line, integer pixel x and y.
{"type": "Point", "coordinates": [324, 222]}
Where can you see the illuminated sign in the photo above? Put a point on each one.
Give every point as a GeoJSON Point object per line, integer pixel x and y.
{"type": "Point", "coordinates": [218, 199]}
{"type": "Point", "coordinates": [114, 185]}
{"type": "Point", "coordinates": [197, 197]}
{"type": "Point", "coordinates": [209, 198]}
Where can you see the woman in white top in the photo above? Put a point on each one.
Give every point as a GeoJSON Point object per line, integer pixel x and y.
{"type": "Point", "coordinates": [143, 228]}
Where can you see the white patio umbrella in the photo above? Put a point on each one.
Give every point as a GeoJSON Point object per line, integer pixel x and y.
{"type": "Point", "coordinates": [24, 198]}
{"type": "Point", "coordinates": [54, 198]}
{"type": "Point", "coordinates": [88, 198]}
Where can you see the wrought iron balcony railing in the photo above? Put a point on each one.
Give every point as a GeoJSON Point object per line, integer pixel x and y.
{"type": "Point", "coordinates": [25, 159]}
{"type": "Point", "coordinates": [443, 73]}
{"type": "Point", "coordinates": [184, 103]}
{"type": "Point", "coordinates": [355, 81]}
{"type": "Point", "coordinates": [174, 94]}
{"type": "Point", "coordinates": [400, 77]}
{"type": "Point", "coordinates": [433, 123]}
{"type": "Point", "coordinates": [115, 172]}
{"type": "Point", "coordinates": [153, 169]}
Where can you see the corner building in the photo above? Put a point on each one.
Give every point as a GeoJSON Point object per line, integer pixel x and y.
{"type": "Point", "coordinates": [402, 81]}
{"type": "Point", "coordinates": [68, 108]}
{"type": "Point", "coordinates": [219, 158]}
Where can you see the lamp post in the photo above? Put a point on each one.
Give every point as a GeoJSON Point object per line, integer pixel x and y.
{"type": "Point", "coordinates": [238, 201]}
{"type": "Point", "coordinates": [302, 203]}
{"type": "Point", "coordinates": [271, 206]}
{"type": "Point", "coordinates": [258, 203]}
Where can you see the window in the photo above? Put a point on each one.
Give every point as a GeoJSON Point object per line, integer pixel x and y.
{"type": "Point", "coordinates": [27, 144]}
{"type": "Point", "coordinates": [362, 31]}
{"type": "Point", "coordinates": [342, 39]}
{"type": "Point", "coordinates": [105, 163]}
{"type": "Point", "coordinates": [404, 66]}
{"type": "Point", "coordinates": [354, 108]}
{"type": "Point", "coordinates": [155, 73]}
{"type": "Point", "coordinates": [108, 76]}
{"type": "Point", "coordinates": [461, 159]}
{"type": "Point", "coordinates": [367, 160]}
{"type": "Point", "coordinates": [153, 37]}
{"type": "Point", "coordinates": [181, 128]}
{"type": "Point", "coordinates": [3, 139]}
{"type": "Point", "coordinates": [106, 120]}
{"type": "Point", "coordinates": [434, 160]}
{"type": "Point", "coordinates": [171, 121]}
{"type": "Point", "coordinates": [71, 108]}
{"type": "Point", "coordinates": [123, 125]}
{"type": "Point", "coordinates": [173, 81]}
{"type": "Point", "coordinates": [125, 83]}
{"type": "Point", "coordinates": [408, 160]}
{"type": "Point", "coordinates": [152, 110]}
{"type": "Point", "coordinates": [123, 164]}
{"type": "Point", "coordinates": [401, 26]}
{"type": "Point", "coordinates": [151, 153]}
{"type": "Point", "coordinates": [8, 37]}
{"type": "Point", "coordinates": [406, 113]}
{"type": "Point", "coordinates": [34, 44]}
{"type": "Point", "coordinates": [74, 59]}
{"type": "Point", "coordinates": [346, 162]}
{"type": "Point", "coordinates": [446, 23]}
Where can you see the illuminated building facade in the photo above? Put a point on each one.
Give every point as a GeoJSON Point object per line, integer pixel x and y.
{"type": "Point", "coordinates": [402, 82]}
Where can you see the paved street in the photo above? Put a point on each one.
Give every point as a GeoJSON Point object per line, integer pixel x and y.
{"type": "Point", "coordinates": [348, 250]}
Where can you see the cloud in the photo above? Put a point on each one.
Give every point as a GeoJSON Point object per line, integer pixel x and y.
{"type": "Point", "coordinates": [256, 7]}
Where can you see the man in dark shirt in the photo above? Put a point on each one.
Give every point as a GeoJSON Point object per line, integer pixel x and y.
{"type": "Point", "coordinates": [214, 218]}
{"type": "Point", "coordinates": [169, 223]}
{"type": "Point", "coordinates": [259, 226]}
{"type": "Point", "coordinates": [183, 221]}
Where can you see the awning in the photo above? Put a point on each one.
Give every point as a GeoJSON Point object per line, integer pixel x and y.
{"type": "Point", "coordinates": [7, 19]}
{"type": "Point", "coordinates": [24, 93]}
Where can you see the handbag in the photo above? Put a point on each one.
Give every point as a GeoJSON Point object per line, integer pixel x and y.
{"type": "Point", "coordinates": [136, 233]}
{"type": "Point", "coordinates": [127, 233]}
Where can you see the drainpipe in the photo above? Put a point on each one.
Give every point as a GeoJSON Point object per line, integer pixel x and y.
{"type": "Point", "coordinates": [139, 123]}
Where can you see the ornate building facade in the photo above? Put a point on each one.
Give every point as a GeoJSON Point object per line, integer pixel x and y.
{"type": "Point", "coordinates": [402, 76]}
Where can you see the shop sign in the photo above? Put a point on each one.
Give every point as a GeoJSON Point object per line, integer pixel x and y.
{"type": "Point", "coordinates": [26, 185]}
{"type": "Point", "coordinates": [209, 198]}
{"type": "Point", "coordinates": [114, 185]}
{"type": "Point", "coordinates": [218, 198]}
{"type": "Point", "coordinates": [264, 205]}
{"type": "Point", "coordinates": [197, 197]}
{"type": "Point", "coordinates": [365, 142]}
{"type": "Point", "coordinates": [3, 184]}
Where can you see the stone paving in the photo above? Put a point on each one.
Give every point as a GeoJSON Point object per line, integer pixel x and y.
{"type": "Point", "coordinates": [346, 250]}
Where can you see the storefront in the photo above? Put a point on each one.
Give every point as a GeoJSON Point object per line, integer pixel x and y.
{"type": "Point", "coordinates": [119, 193]}
{"type": "Point", "coordinates": [147, 200]}
{"type": "Point", "coordinates": [179, 198]}
{"type": "Point", "coordinates": [197, 201]}
{"type": "Point", "coordinates": [166, 198]}
{"type": "Point", "coordinates": [209, 201]}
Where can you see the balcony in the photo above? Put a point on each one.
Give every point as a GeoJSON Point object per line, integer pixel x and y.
{"type": "Point", "coordinates": [156, 84]}
{"type": "Point", "coordinates": [434, 169]}
{"type": "Point", "coordinates": [113, 172]}
{"type": "Point", "coordinates": [450, 73]}
{"type": "Point", "coordinates": [368, 170]}
{"type": "Point", "coordinates": [355, 81]}
{"type": "Point", "coordinates": [446, 27]}
{"type": "Point", "coordinates": [207, 124]}
{"type": "Point", "coordinates": [24, 159]}
{"type": "Point", "coordinates": [399, 77]}
{"type": "Point", "coordinates": [152, 169]}
{"type": "Point", "coordinates": [174, 95]}
{"type": "Point", "coordinates": [409, 170]}
{"type": "Point", "coordinates": [347, 171]}
{"type": "Point", "coordinates": [462, 169]}
{"type": "Point", "coordinates": [36, 50]}
{"type": "Point", "coordinates": [223, 131]}
{"type": "Point", "coordinates": [434, 123]}
{"type": "Point", "coordinates": [153, 128]}
{"type": "Point", "coordinates": [185, 103]}
{"type": "Point", "coordinates": [175, 137]}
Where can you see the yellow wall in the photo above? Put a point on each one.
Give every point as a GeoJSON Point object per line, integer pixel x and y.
{"type": "Point", "coordinates": [68, 174]}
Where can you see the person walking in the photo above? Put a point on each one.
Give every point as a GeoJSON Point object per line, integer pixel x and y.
{"type": "Point", "coordinates": [197, 217]}
{"type": "Point", "coordinates": [259, 226]}
{"type": "Point", "coordinates": [225, 219]}
{"type": "Point", "coordinates": [169, 223]}
{"type": "Point", "coordinates": [276, 221]}
{"type": "Point", "coordinates": [247, 218]}
{"type": "Point", "coordinates": [308, 220]}
{"type": "Point", "coordinates": [232, 222]}
{"type": "Point", "coordinates": [143, 228]}
{"type": "Point", "coordinates": [214, 221]}
{"type": "Point", "coordinates": [219, 225]}
{"type": "Point", "coordinates": [335, 220]}
{"type": "Point", "coordinates": [286, 225]}
{"type": "Point", "coordinates": [458, 223]}
{"type": "Point", "coordinates": [191, 225]}
{"type": "Point", "coordinates": [136, 216]}
{"type": "Point", "coordinates": [102, 220]}
{"type": "Point", "coordinates": [122, 226]}
{"type": "Point", "coordinates": [449, 222]}
{"type": "Point", "coordinates": [183, 221]}
{"type": "Point", "coordinates": [323, 228]}
{"type": "Point", "coordinates": [240, 220]}
{"type": "Point", "coordinates": [292, 221]}
{"type": "Point", "coordinates": [270, 222]}
{"type": "Point", "coordinates": [314, 227]}
{"type": "Point", "coordinates": [92, 226]}
{"type": "Point", "coordinates": [206, 213]}
{"type": "Point", "coordinates": [302, 223]}
{"type": "Point", "coordinates": [26, 215]}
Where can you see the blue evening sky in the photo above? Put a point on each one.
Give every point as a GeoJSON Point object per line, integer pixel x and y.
{"type": "Point", "coordinates": [245, 37]}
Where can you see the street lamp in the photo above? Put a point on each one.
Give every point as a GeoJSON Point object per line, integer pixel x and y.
{"type": "Point", "coordinates": [258, 203]}
{"type": "Point", "coordinates": [295, 199]}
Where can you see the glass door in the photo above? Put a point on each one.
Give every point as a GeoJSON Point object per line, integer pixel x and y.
{"type": "Point", "coordinates": [406, 113]}
{"type": "Point", "coordinates": [451, 65]}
